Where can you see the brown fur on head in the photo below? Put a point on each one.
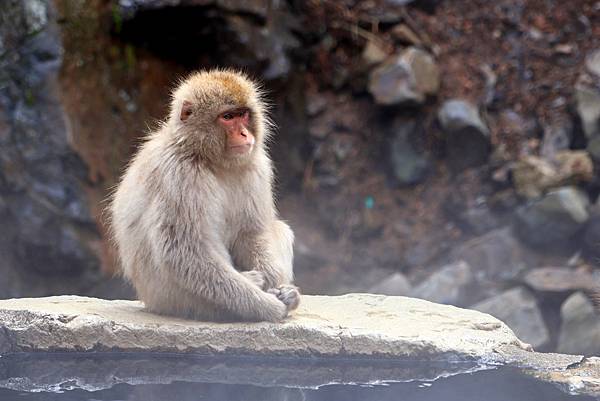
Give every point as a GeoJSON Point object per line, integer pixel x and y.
{"type": "Point", "coordinates": [197, 104]}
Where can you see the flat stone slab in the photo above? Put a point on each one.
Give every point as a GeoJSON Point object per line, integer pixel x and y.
{"type": "Point", "coordinates": [67, 342]}
{"type": "Point", "coordinates": [349, 326]}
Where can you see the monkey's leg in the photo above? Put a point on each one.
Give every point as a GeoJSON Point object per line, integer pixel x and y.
{"type": "Point", "coordinates": [205, 272]}
{"type": "Point", "coordinates": [258, 278]}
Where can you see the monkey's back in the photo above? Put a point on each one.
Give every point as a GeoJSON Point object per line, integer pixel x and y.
{"type": "Point", "coordinates": [130, 210]}
{"type": "Point", "coordinates": [136, 220]}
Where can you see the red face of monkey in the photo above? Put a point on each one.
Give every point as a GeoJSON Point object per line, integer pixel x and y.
{"type": "Point", "coordinates": [236, 123]}
{"type": "Point", "coordinates": [220, 118]}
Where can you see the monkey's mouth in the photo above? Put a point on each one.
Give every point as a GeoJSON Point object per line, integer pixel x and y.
{"type": "Point", "coordinates": [241, 149]}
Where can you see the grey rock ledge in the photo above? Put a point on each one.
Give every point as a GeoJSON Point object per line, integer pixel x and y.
{"type": "Point", "coordinates": [349, 326]}
{"type": "Point", "coordinates": [376, 332]}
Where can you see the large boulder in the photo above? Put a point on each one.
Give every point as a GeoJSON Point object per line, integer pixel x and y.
{"type": "Point", "coordinates": [518, 308]}
{"type": "Point", "coordinates": [409, 162]}
{"type": "Point", "coordinates": [591, 233]}
{"type": "Point", "coordinates": [435, 340]}
{"type": "Point", "coordinates": [553, 219]}
{"type": "Point", "coordinates": [580, 329]}
{"type": "Point", "coordinates": [405, 78]}
{"type": "Point", "coordinates": [496, 256]}
{"type": "Point", "coordinates": [467, 137]}
{"type": "Point", "coordinates": [355, 325]}
{"type": "Point", "coordinates": [451, 284]}
{"type": "Point", "coordinates": [395, 284]}
{"type": "Point", "coordinates": [533, 175]}
{"type": "Point", "coordinates": [560, 280]}
{"type": "Point", "coordinates": [587, 95]}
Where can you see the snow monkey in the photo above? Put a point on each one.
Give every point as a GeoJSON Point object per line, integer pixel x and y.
{"type": "Point", "coordinates": [193, 217]}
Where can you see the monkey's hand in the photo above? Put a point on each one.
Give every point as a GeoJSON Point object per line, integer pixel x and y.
{"type": "Point", "coordinates": [288, 294]}
{"type": "Point", "coordinates": [257, 277]}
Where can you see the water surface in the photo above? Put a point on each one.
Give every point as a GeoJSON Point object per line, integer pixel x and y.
{"type": "Point", "coordinates": [68, 377]}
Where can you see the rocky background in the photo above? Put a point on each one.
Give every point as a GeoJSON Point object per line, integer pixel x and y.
{"type": "Point", "coordinates": [447, 150]}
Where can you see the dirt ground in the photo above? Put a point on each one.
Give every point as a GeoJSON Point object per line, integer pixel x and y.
{"type": "Point", "coordinates": [534, 51]}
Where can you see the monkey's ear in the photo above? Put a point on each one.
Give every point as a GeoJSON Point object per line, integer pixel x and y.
{"type": "Point", "coordinates": [186, 110]}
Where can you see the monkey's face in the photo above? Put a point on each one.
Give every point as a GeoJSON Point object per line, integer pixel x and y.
{"type": "Point", "coordinates": [220, 117]}
{"type": "Point", "coordinates": [236, 126]}
{"type": "Point", "coordinates": [223, 133]}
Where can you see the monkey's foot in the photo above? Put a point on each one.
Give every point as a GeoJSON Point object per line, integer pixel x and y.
{"type": "Point", "coordinates": [257, 277]}
{"type": "Point", "coordinates": [288, 294]}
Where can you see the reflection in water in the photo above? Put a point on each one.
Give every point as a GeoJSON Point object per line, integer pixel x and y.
{"type": "Point", "coordinates": [92, 372]}
{"type": "Point", "coordinates": [150, 378]}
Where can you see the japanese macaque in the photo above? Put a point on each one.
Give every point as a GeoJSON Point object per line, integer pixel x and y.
{"type": "Point", "coordinates": [193, 217]}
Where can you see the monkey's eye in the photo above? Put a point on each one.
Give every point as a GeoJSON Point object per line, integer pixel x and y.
{"type": "Point", "coordinates": [227, 116]}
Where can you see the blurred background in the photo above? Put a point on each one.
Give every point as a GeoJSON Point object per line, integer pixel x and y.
{"type": "Point", "coordinates": [446, 150]}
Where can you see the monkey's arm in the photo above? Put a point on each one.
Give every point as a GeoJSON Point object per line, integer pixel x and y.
{"type": "Point", "coordinates": [203, 269]}
{"type": "Point", "coordinates": [269, 251]}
